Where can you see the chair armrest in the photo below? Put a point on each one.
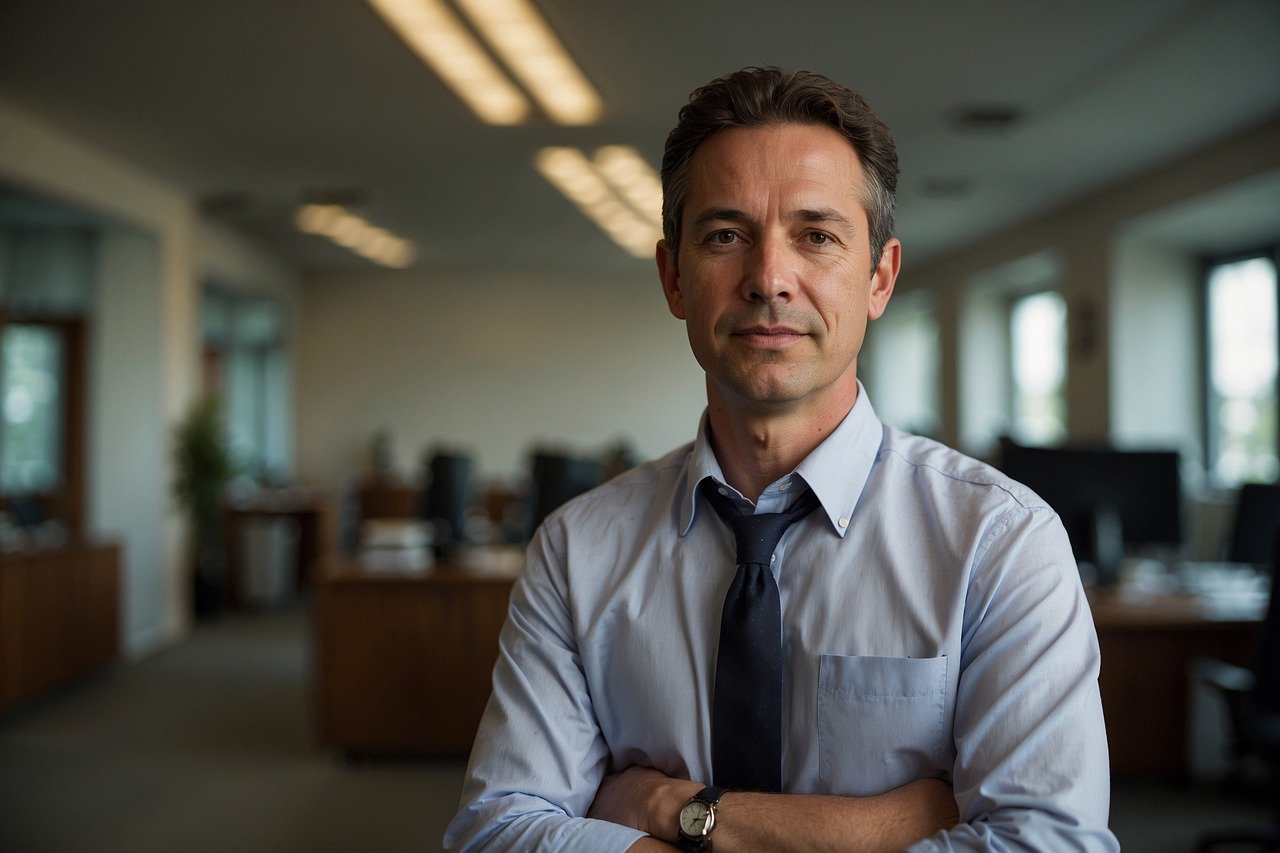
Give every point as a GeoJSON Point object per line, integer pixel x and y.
{"type": "Point", "coordinates": [1226, 677]}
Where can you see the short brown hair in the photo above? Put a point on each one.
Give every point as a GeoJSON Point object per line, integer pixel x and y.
{"type": "Point", "coordinates": [757, 97]}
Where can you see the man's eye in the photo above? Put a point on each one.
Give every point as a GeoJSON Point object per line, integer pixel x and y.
{"type": "Point", "coordinates": [722, 238]}
{"type": "Point", "coordinates": [817, 238]}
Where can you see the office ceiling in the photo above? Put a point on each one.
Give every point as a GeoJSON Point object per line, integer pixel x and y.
{"type": "Point", "coordinates": [254, 104]}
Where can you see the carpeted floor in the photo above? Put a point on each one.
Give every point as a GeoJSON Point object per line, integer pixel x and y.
{"type": "Point", "coordinates": [208, 746]}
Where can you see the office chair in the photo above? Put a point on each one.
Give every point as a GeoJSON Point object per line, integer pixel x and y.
{"type": "Point", "coordinates": [1253, 704]}
{"type": "Point", "coordinates": [1256, 523]}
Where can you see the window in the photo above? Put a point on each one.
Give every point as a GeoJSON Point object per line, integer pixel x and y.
{"type": "Point", "coordinates": [42, 412]}
{"type": "Point", "coordinates": [1241, 358]}
{"type": "Point", "coordinates": [246, 363]}
{"type": "Point", "coordinates": [31, 453]}
{"type": "Point", "coordinates": [903, 368]}
{"type": "Point", "coordinates": [1038, 367]}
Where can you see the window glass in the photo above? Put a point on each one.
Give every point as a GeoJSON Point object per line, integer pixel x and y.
{"type": "Point", "coordinates": [31, 443]}
{"type": "Point", "coordinates": [1038, 340]}
{"type": "Point", "coordinates": [1241, 397]}
{"type": "Point", "coordinates": [244, 353]}
{"type": "Point", "coordinates": [903, 373]}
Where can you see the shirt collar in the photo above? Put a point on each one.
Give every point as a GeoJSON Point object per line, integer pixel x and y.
{"type": "Point", "coordinates": [836, 470]}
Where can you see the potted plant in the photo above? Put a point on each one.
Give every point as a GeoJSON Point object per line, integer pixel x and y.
{"type": "Point", "coordinates": [203, 469]}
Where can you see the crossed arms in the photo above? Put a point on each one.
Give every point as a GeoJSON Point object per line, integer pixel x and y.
{"type": "Point", "coordinates": [1029, 748]}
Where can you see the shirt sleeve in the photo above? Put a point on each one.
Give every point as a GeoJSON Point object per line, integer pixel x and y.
{"type": "Point", "coordinates": [1031, 769]}
{"type": "Point", "coordinates": [539, 755]}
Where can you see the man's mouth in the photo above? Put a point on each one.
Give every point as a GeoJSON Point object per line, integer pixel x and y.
{"type": "Point", "coordinates": [769, 337]}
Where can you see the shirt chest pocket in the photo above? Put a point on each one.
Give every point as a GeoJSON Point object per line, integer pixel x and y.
{"type": "Point", "coordinates": [880, 721]}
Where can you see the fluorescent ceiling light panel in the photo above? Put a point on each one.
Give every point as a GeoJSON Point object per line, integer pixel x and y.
{"type": "Point", "coordinates": [355, 233]}
{"type": "Point", "coordinates": [524, 41]}
{"type": "Point", "coordinates": [434, 33]}
{"type": "Point", "coordinates": [629, 173]}
{"type": "Point", "coordinates": [603, 202]}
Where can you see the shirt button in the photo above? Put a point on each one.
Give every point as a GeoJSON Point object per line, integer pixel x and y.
{"type": "Point", "coordinates": [844, 522]}
{"type": "Point", "coordinates": [773, 558]}
{"type": "Point", "coordinates": [724, 492]}
{"type": "Point", "coordinates": [784, 487]}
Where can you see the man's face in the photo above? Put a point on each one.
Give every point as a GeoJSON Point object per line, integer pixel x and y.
{"type": "Point", "coordinates": [773, 275]}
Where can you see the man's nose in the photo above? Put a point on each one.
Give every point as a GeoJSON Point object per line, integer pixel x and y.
{"type": "Point", "coordinates": [770, 271]}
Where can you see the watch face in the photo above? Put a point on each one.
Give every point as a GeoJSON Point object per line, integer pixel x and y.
{"type": "Point", "coordinates": [693, 819]}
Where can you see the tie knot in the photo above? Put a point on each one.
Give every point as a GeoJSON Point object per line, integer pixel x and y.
{"type": "Point", "coordinates": [757, 535]}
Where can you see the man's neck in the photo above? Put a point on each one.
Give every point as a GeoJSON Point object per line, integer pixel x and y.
{"type": "Point", "coordinates": [755, 448]}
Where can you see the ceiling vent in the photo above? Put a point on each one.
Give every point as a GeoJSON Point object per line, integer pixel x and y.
{"type": "Point", "coordinates": [228, 203]}
{"type": "Point", "coordinates": [947, 187]}
{"type": "Point", "coordinates": [988, 118]}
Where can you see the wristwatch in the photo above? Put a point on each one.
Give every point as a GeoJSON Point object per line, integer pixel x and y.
{"type": "Point", "coordinates": [698, 818]}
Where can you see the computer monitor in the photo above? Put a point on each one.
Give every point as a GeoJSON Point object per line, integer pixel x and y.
{"type": "Point", "coordinates": [446, 499]}
{"type": "Point", "coordinates": [1109, 500]}
{"type": "Point", "coordinates": [556, 479]}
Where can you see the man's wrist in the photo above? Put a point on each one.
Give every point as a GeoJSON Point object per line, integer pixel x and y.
{"type": "Point", "coordinates": [665, 805]}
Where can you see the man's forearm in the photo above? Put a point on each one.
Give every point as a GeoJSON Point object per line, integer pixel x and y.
{"type": "Point", "coordinates": [649, 801]}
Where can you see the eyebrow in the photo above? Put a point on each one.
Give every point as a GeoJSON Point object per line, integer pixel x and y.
{"type": "Point", "coordinates": [728, 214]}
{"type": "Point", "coordinates": [719, 214]}
{"type": "Point", "coordinates": [826, 214]}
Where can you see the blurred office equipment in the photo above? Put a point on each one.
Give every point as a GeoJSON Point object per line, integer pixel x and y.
{"type": "Point", "coordinates": [272, 539]}
{"type": "Point", "coordinates": [1253, 703]}
{"type": "Point", "coordinates": [446, 500]}
{"type": "Point", "coordinates": [558, 478]}
{"type": "Point", "coordinates": [396, 545]}
{"type": "Point", "coordinates": [268, 559]}
{"type": "Point", "coordinates": [1108, 500]}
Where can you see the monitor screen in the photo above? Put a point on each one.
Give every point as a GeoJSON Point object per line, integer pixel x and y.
{"type": "Point", "coordinates": [446, 498]}
{"type": "Point", "coordinates": [1142, 489]}
{"type": "Point", "coordinates": [556, 479]}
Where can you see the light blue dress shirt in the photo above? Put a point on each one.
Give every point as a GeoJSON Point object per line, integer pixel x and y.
{"type": "Point", "coordinates": [934, 626]}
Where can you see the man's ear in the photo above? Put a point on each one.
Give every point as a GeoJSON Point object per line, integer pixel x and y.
{"type": "Point", "coordinates": [883, 278]}
{"type": "Point", "coordinates": [670, 276]}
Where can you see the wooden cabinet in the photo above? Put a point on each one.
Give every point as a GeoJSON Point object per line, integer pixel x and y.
{"type": "Point", "coordinates": [404, 661]}
{"type": "Point", "coordinates": [59, 617]}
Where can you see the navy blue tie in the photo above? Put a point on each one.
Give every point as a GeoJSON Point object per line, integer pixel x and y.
{"type": "Point", "coordinates": [746, 713]}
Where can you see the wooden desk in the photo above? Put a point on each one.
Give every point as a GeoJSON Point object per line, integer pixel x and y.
{"type": "Point", "coordinates": [59, 617]}
{"type": "Point", "coordinates": [404, 660]}
{"type": "Point", "coordinates": [1147, 646]}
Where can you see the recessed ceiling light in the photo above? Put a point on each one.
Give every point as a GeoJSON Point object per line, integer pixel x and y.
{"type": "Point", "coordinates": [600, 199]}
{"type": "Point", "coordinates": [519, 36]}
{"type": "Point", "coordinates": [629, 173]}
{"type": "Point", "coordinates": [356, 234]}
{"type": "Point", "coordinates": [434, 33]}
{"type": "Point", "coordinates": [524, 41]}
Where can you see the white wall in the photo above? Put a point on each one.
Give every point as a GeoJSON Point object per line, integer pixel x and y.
{"type": "Point", "coordinates": [127, 433]}
{"type": "Point", "coordinates": [488, 363]}
{"type": "Point", "coordinates": [1155, 356]}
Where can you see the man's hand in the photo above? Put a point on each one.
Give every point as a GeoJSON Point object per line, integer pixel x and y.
{"type": "Point", "coordinates": [650, 801]}
{"type": "Point", "coordinates": [644, 799]}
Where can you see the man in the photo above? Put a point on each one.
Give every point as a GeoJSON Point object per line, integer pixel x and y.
{"type": "Point", "coordinates": [929, 675]}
